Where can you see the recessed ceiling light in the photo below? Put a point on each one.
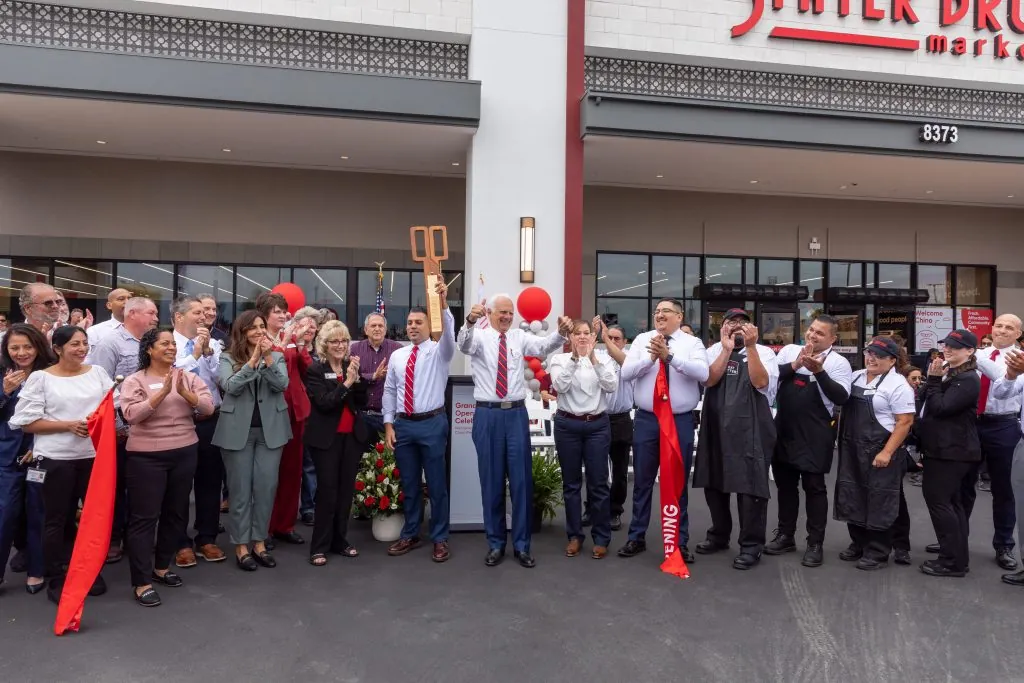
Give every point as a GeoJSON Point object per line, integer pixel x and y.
{"type": "Point", "coordinates": [842, 187]}
{"type": "Point", "coordinates": [344, 158]}
{"type": "Point", "coordinates": [455, 163]}
{"type": "Point", "coordinates": [929, 191]}
{"type": "Point", "coordinates": [659, 176]}
{"type": "Point", "coordinates": [1009, 196]}
{"type": "Point", "coordinates": [101, 142]}
{"type": "Point", "coordinates": [753, 182]}
{"type": "Point", "coordinates": [226, 149]}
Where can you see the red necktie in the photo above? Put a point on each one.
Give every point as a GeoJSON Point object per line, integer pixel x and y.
{"type": "Point", "coordinates": [986, 383]}
{"type": "Point", "coordinates": [410, 380]}
{"type": "Point", "coordinates": [501, 386]}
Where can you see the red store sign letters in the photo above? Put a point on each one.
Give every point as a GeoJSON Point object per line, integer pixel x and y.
{"type": "Point", "coordinates": [986, 15]}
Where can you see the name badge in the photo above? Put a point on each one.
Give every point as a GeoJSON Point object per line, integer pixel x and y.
{"type": "Point", "coordinates": [290, 346]}
{"type": "Point", "coordinates": [733, 368]}
{"type": "Point", "coordinates": [330, 375]}
{"type": "Point", "coordinates": [800, 383]}
{"type": "Point", "coordinates": [35, 475]}
{"type": "Point", "coordinates": [870, 392]}
{"type": "Point", "coordinates": [159, 385]}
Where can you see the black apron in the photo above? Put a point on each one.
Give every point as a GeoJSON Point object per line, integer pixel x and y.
{"type": "Point", "coordinates": [806, 434]}
{"type": "Point", "coordinates": [737, 435]}
{"type": "Point", "coordinates": [865, 495]}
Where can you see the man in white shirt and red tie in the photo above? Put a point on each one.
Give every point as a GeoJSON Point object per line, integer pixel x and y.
{"type": "Point", "coordinates": [416, 425]}
{"type": "Point", "coordinates": [686, 366]}
{"type": "Point", "coordinates": [999, 432]}
{"type": "Point", "coordinates": [501, 425]}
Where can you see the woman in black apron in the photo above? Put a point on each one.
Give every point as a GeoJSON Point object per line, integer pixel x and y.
{"type": "Point", "coordinates": [872, 427]}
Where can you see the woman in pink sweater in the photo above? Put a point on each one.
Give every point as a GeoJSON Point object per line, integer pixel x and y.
{"type": "Point", "coordinates": [160, 403]}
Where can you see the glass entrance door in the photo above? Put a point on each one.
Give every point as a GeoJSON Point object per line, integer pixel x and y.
{"type": "Point", "coordinates": [850, 320]}
{"type": "Point", "coordinates": [777, 325]}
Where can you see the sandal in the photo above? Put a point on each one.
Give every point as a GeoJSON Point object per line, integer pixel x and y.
{"type": "Point", "coordinates": [348, 551]}
{"type": "Point", "coordinates": [318, 559]}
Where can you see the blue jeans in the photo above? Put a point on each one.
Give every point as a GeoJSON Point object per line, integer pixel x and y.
{"type": "Point", "coordinates": [647, 460]}
{"type": "Point", "coordinates": [420, 450]}
{"type": "Point", "coordinates": [502, 442]}
{"type": "Point", "coordinates": [580, 444]}
{"type": "Point", "coordinates": [308, 483]}
{"type": "Point", "coordinates": [17, 498]}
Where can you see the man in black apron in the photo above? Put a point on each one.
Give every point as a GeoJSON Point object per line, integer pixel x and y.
{"type": "Point", "coordinates": [812, 381]}
{"type": "Point", "coordinates": [737, 437]}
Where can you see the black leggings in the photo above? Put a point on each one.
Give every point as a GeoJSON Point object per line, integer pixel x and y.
{"type": "Point", "coordinates": [66, 483]}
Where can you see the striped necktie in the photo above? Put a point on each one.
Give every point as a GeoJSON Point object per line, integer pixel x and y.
{"type": "Point", "coordinates": [501, 385]}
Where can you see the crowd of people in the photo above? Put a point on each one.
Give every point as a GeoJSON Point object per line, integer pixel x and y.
{"type": "Point", "coordinates": [269, 425]}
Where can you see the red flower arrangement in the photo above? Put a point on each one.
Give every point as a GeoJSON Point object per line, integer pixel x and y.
{"type": "Point", "coordinates": [378, 489]}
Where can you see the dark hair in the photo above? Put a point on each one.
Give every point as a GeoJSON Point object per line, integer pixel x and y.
{"type": "Point", "coordinates": [148, 341]}
{"type": "Point", "coordinates": [418, 309]}
{"type": "Point", "coordinates": [238, 345]}
{"type": "Point", "coordinates": [828, 320]}
{"type": "Point", "coordinates": [616, 326]}
{"type": "Point", "coordinates": [44, 354]}
{"type": "Point", "coordinates": [267, 301]}
{"type": "Point", "coordinates": [63, 334]}
{"type": "Point", "coordinates": [580, 321]}
{"type": "Point", "coordinates": [182, 304]}
{"type": "Point", "coordinates": [676, 303]}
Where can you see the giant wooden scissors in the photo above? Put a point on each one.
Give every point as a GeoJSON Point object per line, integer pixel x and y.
{"type": "Point", "coordinates": [431, 259]}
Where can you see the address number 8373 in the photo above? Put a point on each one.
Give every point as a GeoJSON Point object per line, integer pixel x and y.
{"type": "Point", "coordinates": [939, 134]}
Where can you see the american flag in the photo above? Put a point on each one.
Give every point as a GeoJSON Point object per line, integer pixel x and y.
{"type": "Point", "coordinates": [380, 291]}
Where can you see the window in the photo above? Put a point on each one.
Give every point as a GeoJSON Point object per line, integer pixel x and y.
{"type": "Point", "coordinates": [216, 280]}
{"type": "Point", "coordinates": [251, 282]}
{"type": "Point", "coordinates": [812, 277]}
{"type": "Point", "coordinates": [85, 285]}
{"type": "Point", "coordinates": [622, 275]}
{"type": "Point", "coordinates": [724, 270]}
{"type": "Point", "coordinates": [774, 272]}
{"type": "Point", "coordinates": [691, 275]}
{"type": "Point", "coordinates": [152, 280]}
{"type": "Point", "coordinates": [845, 274]}
{"type": "Point", "coordinates": [894, 275]}
{"type": "Point", "coordinates": [691, 316]}
{"type": "Point", "coordinates": [936, 280]}
{"type": "Point", "coordinates": [396, 299]}
{"type": "Point", "coordinates": [419, 297]}
{"type": "Point", "coordinates": [15, 273]}
{"type": "Point", "coordinates": [324, 288]}
{"type": "Point", "coordinates": [632, 314]}
{"type": "Point", "coordinates": [667, 276]}
{"type": "Point", "coordinates": [973, 286]}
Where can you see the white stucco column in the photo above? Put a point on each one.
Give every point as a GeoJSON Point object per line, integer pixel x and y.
{"type": "Point", "coordinates": [517, 160]}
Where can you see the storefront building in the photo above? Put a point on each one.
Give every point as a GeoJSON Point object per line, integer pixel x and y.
{"type": "Point", "coordinates": [790, 157]}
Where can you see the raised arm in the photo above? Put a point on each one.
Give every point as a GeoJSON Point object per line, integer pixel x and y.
{"type": "Point", "coordinates": [446, 346]}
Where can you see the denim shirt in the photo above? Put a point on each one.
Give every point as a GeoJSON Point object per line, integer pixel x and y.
{"type": "Point", "coordinates": [13, 442]}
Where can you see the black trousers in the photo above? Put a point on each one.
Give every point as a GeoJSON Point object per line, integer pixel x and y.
{"type": "Point", "coordinates": [999, 437]}
{"type": "Point", "coordinates": [622, 442]}
{"type": "Point", "coordinates": [901, 527]}
{"type": "Point", "coordinates": [158, 484]}
{"type": "Point", "coordinates": [787, 479]}
{"type": "Point", "coordinates": [65, 484]}
{"type": "Point", "coordinates": [117, 532]}
{"type": "Point", "coordinates": [875, 544]}
{"type": "Point", "coordinates": [336, 469]}
{"type": "Point", "coordinates": [207, 487]}
{"type": "Point", "coordinates": [753, 518]}
{"type": "Point", "coordinates": [942, 485]}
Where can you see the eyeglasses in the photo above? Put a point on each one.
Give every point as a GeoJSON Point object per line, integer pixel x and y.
{"type": "Point", "coordinates": [337, 342]}
{"type": "Point", "coordinates": [49, 303]}
{"type": "Point", "coordinates": [667, 311]}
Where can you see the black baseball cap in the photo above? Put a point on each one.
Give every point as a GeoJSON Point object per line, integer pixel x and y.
{"type": "Point", "coordinates": [961, 339]}
{"type": "Point", "coordinates": [736, 313]}
{"type": "Point", "coordinates": [884, 346]}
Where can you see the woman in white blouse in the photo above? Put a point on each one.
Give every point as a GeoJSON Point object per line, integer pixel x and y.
{"type": "Point", "coordinates": [583, 435]}
{"type": "Point", "coordinates": [54, 406]}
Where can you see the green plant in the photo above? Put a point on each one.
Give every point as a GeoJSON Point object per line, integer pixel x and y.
{"type": "Point", "coordinates": [547, 483]}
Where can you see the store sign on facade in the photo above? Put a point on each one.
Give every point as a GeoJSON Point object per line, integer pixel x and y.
{"type": "Point", "coordinates": [990, 16]}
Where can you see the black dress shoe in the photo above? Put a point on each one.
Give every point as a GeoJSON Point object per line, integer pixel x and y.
{"type": "Point", "coordinates": [851, 554]}
{"type": "Point", "coordinates": [710, 547]}
{"type": "Point", "coordinates": [813, 556]}
{"type": "Point", "coordinates": [291, 537]}
{"type": "Point", "coordinates": [1005, 559]}
{"type": "Point", "coordinates": [246, 563]}
{"type": "Point", "coordinates": [526, 559]}
{"type": "Point", "coordinates": [308, 519]}
{"type": "Point", "coordinates": [687, 555]}
{"type": "Point", "coordinates": [99, 586]}
{"type": "Point", "coordinates": [494, 557]}
{"type": "Point", "coordinates": [19, 563]}
{"type": "Point", "coordinates": [869, 565]}
{"type": "Point", "coordinates": [169, 579]}
{"type": "Point", "coordinates": [632, 548]}
{"type": "Point", "coordinates": [900, 556]}
{"type": "Point", "coordinates": [933, 548]}
{"type": "Point", "coordinates": [33, 589]}
{"type": "Point", "coordinates": [1015, 579]}
{"type": "Point", "coordinates": [782, 543]}
{"type": "Point", "coordinates": [616, 522]}
{"type": "Point", "coordinates": [934, 568]}
{"type": "Point", "coordinates": [265, 559]}
{"type": "Point", "coordinates": [746, 561]}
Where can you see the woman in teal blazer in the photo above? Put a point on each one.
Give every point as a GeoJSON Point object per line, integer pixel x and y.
{"type": "Point", "coordinates": [252, 429]}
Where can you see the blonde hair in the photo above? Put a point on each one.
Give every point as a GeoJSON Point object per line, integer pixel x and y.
{"type": "Point", "coordinates": [331, 328]}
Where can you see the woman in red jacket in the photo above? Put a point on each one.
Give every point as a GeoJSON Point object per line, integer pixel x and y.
{"type": "Point", "coordinates": [292, 342]}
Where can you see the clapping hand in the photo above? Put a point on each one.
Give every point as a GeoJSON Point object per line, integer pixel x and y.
{"type": "Point", "coordinates": [658, 348]}
{"type": "Point", "coordinates": [381, 370]}
{"type": "Point", "coordinates": [184, 391]}
{"type": "Point", "coordinates": [935, 367]}
{"type": "Point", "coordinates": [564, 326]}
{"type": "Point", "coordinates": [352, 373]}
{"type": "Point", "coordinates": [750, 334]}
{"type": "Point", "coordinates": [812, 362]}
{"type": "Point", "coordinates": [1014, 364]}
{"type": "Point", "coordinates": [12, 380]}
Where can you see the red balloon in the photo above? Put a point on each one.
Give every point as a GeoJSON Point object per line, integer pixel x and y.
{"type": "Point", "coordinates": [540, 374]}
{"type": "Point", "coordinates": [293, 294]}
{"type": "Point", "coordinates": [533, 363]}
{"type": "Point", "coordinates": [533, 304]}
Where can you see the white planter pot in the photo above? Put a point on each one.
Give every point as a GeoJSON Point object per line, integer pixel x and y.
{"type": "Point", "coordinates": [388, 529]}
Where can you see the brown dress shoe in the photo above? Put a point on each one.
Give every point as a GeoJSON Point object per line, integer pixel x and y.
{"type": "Point", "coordinates": [573, 549]}
{"type": "Point", "coordinates": [403, 545]}
{"type": "Point", "coordinates": [599, 552]}
{"type": "Point", "coordinates": [211, 553]}
{"type": "Point", "coordinates": [441, 552]}
{"type": "Point", "coordinates": [185, 558]}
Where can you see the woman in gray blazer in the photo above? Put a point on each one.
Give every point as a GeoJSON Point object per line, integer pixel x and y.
{"type": "Point", "coordinates": [252, 429]}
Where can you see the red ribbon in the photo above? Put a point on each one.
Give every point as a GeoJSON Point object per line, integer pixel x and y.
{"type": "Point", "coordinates": [93, 539]}
{"type": "Point", "coordinates": [673, 477]}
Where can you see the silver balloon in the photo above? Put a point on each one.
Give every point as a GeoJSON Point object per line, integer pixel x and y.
{"type": "Point", "coordinates": [544, 325]}
{"type": "Point", "coordinates": [524, 326]}
{"type": "Point", "coordinates": [528, 374]}
{"type": "Point", "coordinates": [537, 396]}
{"type": "Point", "coordinates": [536, 326]}
{"type": "Point", "coordinates": [534, 384]}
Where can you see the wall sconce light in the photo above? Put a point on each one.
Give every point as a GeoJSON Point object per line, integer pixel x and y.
{"type": "Point", "coordinates": [527, 243]}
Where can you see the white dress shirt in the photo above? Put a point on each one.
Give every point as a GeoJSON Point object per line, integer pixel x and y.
{"type": "Point", "coordinates": [583, 388]}
{"type": "Point", "coordinates": [204, 366]}
{"type": "Point", "coordinates": [98, 331]}
{"type": "Point", "coordinates": [430, 376]}
{"type": "Point", "coordinates": [689, 367]}
{"type": "Point", "coordinates": [1004, 389]}
{"type": "Point", "coordinates": [995, 370]}
{"type": "Point", "coordinates": [835, 366]}
{"type": "Point", "coordinates": [768, 359]}
{"type": "Point", "coordinates": [481, 345]}
{"type": "Point", "coordinates": [892, 397]}
{"type": "Point", "coordinates": [620, 400]}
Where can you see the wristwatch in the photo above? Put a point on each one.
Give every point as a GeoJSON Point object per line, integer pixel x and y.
{"type": "Point", "coordinates": [470, 321]}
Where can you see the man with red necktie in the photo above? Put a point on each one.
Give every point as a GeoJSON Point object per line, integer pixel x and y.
{"type": "Point", "coordinates": [416, 426]}
{"type": "Point", "coordinates": [999, 432]}
{"type": "Point", "coordinates": [501, 425]}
